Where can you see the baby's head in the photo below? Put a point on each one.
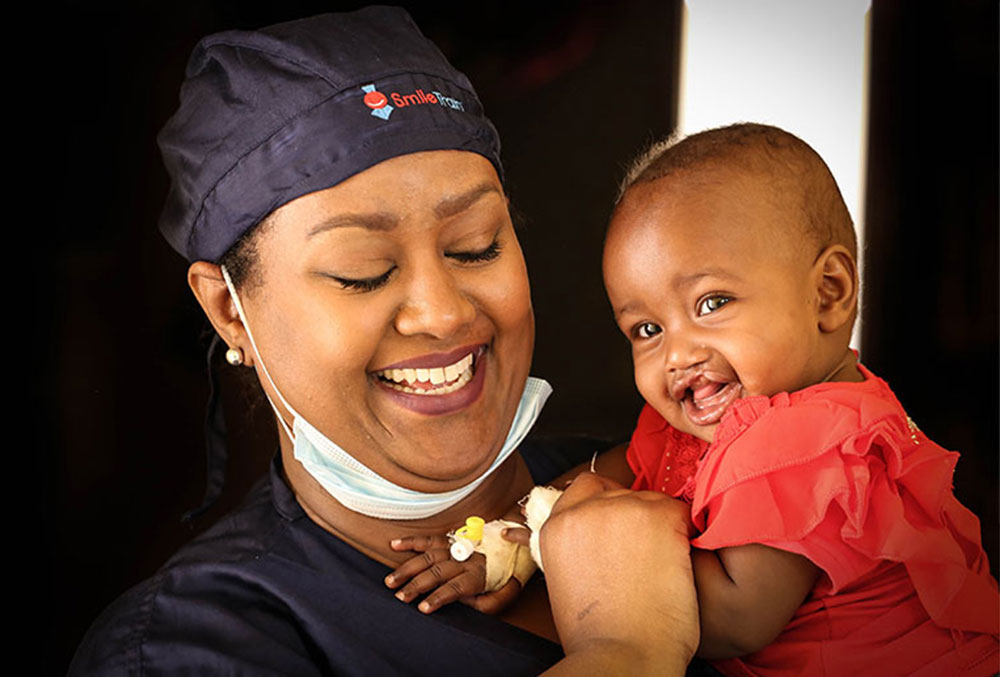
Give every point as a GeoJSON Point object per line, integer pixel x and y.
{"type": "Point", "coordinates": [730, 267]}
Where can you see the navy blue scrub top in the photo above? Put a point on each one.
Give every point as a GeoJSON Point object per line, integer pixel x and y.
{"type": "Point", "coordinates": [267, 591]}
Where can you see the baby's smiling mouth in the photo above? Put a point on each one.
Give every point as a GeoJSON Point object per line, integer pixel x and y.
{"type": "Point", "coordinates": [706, 399]}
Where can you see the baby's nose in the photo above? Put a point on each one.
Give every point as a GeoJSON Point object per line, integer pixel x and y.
{"type": "Point", "coordinates": [683, 353]}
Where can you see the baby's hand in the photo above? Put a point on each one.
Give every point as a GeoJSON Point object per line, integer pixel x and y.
{"type": "Point", "coordinates": [448, 580]}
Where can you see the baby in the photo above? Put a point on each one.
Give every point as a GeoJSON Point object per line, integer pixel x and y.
{"type": "Point", "coordinates": [827, 538]}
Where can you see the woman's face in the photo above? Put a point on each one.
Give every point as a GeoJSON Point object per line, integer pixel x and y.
{"type": "Point", "coordinates": [394, 314]}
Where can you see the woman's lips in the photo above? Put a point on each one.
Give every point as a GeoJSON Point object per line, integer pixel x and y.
{"type": "Point", "coordinates": [706, 403]}
{"type": "Point", "coordinates": [432, 360]}
{"type": "Point", "coordinates": [436, 384]}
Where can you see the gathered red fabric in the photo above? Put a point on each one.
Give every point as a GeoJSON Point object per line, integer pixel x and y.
{"type": "Point", "coordinates": [839, 474]}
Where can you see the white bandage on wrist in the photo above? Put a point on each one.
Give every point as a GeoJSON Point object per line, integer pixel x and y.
{"type": "Point", "coordinates": [536, 510]}
{"type": "Point", "coordinates": [504, 559]}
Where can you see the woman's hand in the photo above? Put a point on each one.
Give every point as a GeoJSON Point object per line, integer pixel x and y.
{"type": "Point", "coordinates": [618, 569]}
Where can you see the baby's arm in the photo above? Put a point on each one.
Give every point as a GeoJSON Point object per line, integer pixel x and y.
{"type": "Point", "coordinates": [746, 595]}
{"type": "Point", "coordinates": [446, 579]}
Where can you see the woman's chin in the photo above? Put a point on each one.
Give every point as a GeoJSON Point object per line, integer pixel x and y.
{"type": "Point", "coordinates": [443, 463]}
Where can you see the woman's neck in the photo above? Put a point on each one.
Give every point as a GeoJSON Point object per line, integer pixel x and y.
{"type": "Point", "coordinates": [371, 536]}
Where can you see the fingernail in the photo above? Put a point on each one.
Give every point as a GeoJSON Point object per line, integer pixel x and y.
{"type": "Point", "coordinates": [401, 596]}
{"type": "Point", "coordinates": [395, 542]}
{"type": "Point", "coordinates": [390, 579]}
{"type": "Point", "coordinates": [424, 607]}
{"type": "Point", "coordinates": [504, 531]}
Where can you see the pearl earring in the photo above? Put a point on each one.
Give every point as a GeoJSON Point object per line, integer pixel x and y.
{"type": "Point", "coordinates": [234, 356]}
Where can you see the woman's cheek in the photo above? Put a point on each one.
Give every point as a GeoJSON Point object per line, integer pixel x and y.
{"type": "Point", "coordinates": [509, 295]}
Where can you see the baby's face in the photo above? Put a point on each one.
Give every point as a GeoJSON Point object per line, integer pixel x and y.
{"type": "Point", "coordinates": [716, 296]}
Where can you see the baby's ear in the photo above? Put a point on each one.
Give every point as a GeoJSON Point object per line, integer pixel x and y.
{"type": "Point", "coordinates": [836, 276]}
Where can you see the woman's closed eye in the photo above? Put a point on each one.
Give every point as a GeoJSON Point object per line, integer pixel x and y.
{"type": "Point", "coordinates": [364, 284]}
{"type": "Point", "coordinates": [491, 253]}
{"type": "Point", "coordinates": [711, 303]}
{"type": "Point", "coordinates": [369, 284]}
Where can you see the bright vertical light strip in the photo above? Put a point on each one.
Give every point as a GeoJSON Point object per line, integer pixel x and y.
{"type": "Point", "coordinates": [798, 64]}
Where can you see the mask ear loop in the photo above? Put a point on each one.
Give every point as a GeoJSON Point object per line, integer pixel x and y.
{"type": "Point", "coordinates": [246, 325]}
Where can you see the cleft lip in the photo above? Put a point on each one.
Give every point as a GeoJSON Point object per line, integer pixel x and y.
{"type": "Point", "coordinates": [432, 360]}
{"type": "Point", "coordinates": [679, 388]}
{"type": "Point", "coordinates": [694, 379]}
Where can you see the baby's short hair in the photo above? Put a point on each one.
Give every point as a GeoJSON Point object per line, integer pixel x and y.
{"type": "Point", "coordinates": [788, 164]}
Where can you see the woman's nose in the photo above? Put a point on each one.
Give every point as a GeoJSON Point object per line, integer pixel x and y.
{"type": "Point", "coordinates": [435, 305]}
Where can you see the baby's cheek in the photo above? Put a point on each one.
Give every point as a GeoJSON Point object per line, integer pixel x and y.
{"type": "Point", "coordinates": [650, 386]}
{"type": "Point", "coordinates": [659, 400]}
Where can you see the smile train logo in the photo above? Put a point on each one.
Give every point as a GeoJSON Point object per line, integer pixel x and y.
{"type": "Point", "coordinates": [377, 101]}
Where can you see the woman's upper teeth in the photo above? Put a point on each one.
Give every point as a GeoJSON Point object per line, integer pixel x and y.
{"type": "Point", "coordinates": [433, 375]}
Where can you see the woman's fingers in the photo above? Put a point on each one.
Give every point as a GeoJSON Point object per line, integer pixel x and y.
{"type": "Point", "coordinates": [585, 486]}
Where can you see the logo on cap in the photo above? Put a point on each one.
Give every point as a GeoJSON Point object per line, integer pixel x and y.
{"type": "Point", "coordinates": [377, 101]}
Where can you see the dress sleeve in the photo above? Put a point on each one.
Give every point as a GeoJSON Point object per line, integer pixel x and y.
{"type": "Point", "coordinates": [849, 487]}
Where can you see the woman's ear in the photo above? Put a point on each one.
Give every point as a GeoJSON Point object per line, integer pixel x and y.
{"type": "Point", "coordinates": [205, 280]}
{"type": "Point", "coordinates": [836, 276]}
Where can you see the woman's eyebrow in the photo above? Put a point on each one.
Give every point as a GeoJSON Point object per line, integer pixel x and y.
{"type": "Point", "coordinates": [381, 221]}
{"type": "Point", "coordinates": [374, 221]}
{"type": "Point", "coordinates": [457, 204]}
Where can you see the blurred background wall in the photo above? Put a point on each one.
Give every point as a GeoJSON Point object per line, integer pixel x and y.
{"type": "Point", "coordinates": [575, 87]}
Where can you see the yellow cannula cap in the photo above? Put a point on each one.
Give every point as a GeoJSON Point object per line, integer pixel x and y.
{"type": "Point", "coordinates": [473, 529]}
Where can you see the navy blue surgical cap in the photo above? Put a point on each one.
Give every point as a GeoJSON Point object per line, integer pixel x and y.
{"type": "Point", "coordinates": [270, 115]}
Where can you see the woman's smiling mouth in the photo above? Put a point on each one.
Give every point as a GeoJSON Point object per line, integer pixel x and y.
{"type": "Point", "coordinates": [430, 381]}
{"type": "Point", "coordinates": [436, 384]}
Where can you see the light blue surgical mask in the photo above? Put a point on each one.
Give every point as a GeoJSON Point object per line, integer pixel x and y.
{"type": "Point", "coordinates": [359, 488]}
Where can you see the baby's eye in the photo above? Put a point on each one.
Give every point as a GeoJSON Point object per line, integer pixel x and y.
{"type": "Point", "coordinates": [710, 304]}
{"type": "Point", "coordinates": [647, 330]}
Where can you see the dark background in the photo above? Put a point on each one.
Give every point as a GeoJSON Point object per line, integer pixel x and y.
{"type": "Point", "coordinates": [576, 88]}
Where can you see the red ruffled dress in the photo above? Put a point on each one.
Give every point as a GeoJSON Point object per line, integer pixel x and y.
{"type": "Point", "coordinates": [838, 473]}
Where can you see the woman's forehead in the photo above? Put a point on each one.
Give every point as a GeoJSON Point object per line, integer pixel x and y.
{"type": "Point", "coordinates": [441, 183]}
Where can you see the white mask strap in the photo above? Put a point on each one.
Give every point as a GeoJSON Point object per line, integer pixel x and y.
{"type": "Point", "coordinates": [246, 325]}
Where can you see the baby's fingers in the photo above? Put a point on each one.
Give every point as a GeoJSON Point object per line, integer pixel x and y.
{"type": "Point", "coordinates": [415, 565]}
{"type": "Point", "coordinates": [517, 535]}
{"type": "Point", "coordinates": [442, 574]}
{"type": "Point", "coordinates": [494, 602]}
{"type": "Point", "coordinates": [469, 582]}
{"type": "Point", "coordinates": [419, 543]}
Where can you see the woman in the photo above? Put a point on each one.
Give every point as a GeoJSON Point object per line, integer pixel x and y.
{"type": "Point", "coordinates": [338, 192]}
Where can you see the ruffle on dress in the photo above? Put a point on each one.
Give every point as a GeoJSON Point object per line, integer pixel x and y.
{"type": "Point", "coordinates": [663, 458]}
{"type": "Point", "coordinates": [839, 474]}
